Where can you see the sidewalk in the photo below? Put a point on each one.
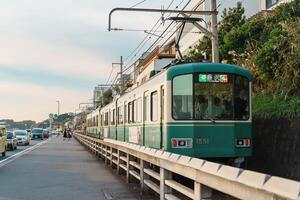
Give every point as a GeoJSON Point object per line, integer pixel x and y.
{"type": "Point", "coordinates": [61, 170]}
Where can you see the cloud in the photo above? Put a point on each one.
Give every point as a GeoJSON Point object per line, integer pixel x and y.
{"type": "Point", "coordinates": [28, 101]}
{"type": "Point", "coordinates": [50, 47]}
{"type": "Point", "coordinates": [63, 59]}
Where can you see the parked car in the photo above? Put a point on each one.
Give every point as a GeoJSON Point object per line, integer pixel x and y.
{"type": "Point", "coordinates": [23, 137]}
{"type": "Point", "coordinates": [37, 133]}
{"type": "Point", "coordinates": [11, 141]}
{"type": "Point", "coordinates": [2, 140]}
{"type": "Point", "coordinates": [54, 132]}
{"type": "Point", "coordinates": [45, 133]}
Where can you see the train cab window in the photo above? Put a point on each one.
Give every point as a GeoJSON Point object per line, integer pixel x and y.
{"type": "Point", "coordinates": [154, 106]}
{"type": "Point", "coordinates": [183, 97]}
{"type": "Point", "coordinates": [241, 98]}
{"type": "Point", "coordinates": [213, 96]}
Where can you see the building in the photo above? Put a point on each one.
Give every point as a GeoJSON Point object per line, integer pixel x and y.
{"type": "Point", "coordinates": [270, 4]}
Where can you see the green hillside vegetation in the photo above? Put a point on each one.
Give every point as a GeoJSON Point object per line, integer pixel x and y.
{"type": "Point", "coordinates": [22, 125]}
{"type": "Point", "coordinates": [268, 44]}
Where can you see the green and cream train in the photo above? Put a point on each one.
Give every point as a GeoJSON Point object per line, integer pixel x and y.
{"type": "Point", "coordinates": [197, 109]}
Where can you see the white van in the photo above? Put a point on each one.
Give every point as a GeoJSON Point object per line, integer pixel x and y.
{"type": "Point", "coordinates": [2, 140]}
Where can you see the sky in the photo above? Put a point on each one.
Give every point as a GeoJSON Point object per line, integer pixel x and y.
{"type": "Point", "coordinates": [59, 50]}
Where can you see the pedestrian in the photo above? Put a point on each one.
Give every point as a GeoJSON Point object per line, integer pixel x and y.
{"type": "Point", "coordinates": [69, 134]}
{"type": "Point", "coordinates": [65, 134]}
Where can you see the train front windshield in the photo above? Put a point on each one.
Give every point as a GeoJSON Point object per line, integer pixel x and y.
{"type": "Point", "coordinates": [210, 96]}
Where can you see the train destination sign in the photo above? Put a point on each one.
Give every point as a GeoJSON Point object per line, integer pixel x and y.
{"type": "Point", "coordinates": [213, 78]}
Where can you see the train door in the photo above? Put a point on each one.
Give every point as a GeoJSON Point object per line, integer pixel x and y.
{"type": "Point", "coordinates": [162, 113]}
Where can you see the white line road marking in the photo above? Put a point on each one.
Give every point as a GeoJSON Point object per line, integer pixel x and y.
{"type": "Point", "coordinates": [17, 155]}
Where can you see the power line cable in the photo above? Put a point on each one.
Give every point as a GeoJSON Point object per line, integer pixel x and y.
{"type": "Point", "coordinates": [127, 67]}
{"type": "Point", "coordinates": [138, 3]}
{"type": "Point", "coordinates": [146, 38]}
{"type": "Point", "coordinates": [159, 38]}
{"type": "Point", "coordinates": [109, 75]}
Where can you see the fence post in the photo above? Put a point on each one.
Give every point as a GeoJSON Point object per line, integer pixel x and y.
{"type": "Point", "coordinates": [106, 154]}
{"type": "Point", "coordinates": [127, 167]}
{"type": "Point", "coordinates": [111, 156]}
{"type": "Point", "coordinates": [118, 162]}
{"type": "Point", "coordinates": [202, 192]}
{"type": "Point", "coordinates": [164, 175]}
{"type": "Point", "coordinates": [143, 175]}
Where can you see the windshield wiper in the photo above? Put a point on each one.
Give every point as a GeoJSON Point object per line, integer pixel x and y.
{"type": "Point", "coordinates": [211, 119]}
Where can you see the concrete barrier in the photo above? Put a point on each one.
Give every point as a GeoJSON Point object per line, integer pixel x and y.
{"type": "Point", "coordinates": [135, 161]}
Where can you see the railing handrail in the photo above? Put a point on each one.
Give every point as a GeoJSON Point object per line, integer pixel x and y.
{"type": "Point", "coordinates": [239, 183]}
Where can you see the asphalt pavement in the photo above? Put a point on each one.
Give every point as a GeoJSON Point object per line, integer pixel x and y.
{"type": "Point", "coordinates": [60, 169]}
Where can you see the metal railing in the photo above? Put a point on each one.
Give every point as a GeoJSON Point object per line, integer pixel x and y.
{"type": "Point", "coordinates": [154, 168]}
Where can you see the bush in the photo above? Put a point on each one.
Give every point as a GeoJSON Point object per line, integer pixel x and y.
{"type": "Point", "coordinates": [266, 106]}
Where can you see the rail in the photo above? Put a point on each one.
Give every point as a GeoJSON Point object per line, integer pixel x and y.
{"type": "Point", "coordinates": [154, 168]}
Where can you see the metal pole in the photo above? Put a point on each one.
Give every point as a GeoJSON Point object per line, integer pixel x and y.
{"type": "Point", "coordinates": [121, 74]}
{"type": "Point", "coordinates": [57, 108]}
{"type": "Point", "coordinates": [215, 42]}
{"type": "Point", "coordinates": [196, 12]}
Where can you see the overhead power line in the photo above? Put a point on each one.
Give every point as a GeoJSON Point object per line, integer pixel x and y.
{"type": "Point", "coordinates": [128, 66]}
{"type": "Point", "coordinates": [146, 38]}
{"type": "Point", "coordinates": [138, 3]}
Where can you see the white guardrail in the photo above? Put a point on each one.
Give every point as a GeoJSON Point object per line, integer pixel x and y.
{"type": "Point", "coordinates": [136, 160]}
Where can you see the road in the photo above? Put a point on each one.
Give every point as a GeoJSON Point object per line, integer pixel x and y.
{"type": "Point", "coordinates": [19, 149]}
{"type": "Point", "coordinates": [60, 169]}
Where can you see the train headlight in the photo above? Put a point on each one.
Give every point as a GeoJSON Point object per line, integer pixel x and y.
{"type": "Point", "coordinates": [243, 143]}
{"type": "Point", "coordinates": [174, 143]}
{"type": "Point", "coordinates": [182, 142]}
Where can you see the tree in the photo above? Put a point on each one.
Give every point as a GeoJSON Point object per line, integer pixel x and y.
{"type": "Point", "coordinates": [231, 18]}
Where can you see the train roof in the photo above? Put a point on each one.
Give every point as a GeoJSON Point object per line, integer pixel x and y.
{"type": "Point", "coordinates": [206, 67]}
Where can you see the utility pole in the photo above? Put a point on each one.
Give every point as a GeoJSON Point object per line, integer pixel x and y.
{"type": "Point", "coordinates": [214, 30]}
{"type": "Point", "coordinates": [121, 75]}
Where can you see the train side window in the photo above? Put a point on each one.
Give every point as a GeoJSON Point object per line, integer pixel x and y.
{"type": "Point", "coordinates": [120, 115]}
{"type": "Point", "coordinates": [130, 112]}
{"type": "Point", "coordinates": [154, 106]}
{"type": "Point", "coordinates": [134, 111]}
{"type": "Point", "coordinates": [183, 97]}
{"type": "Point", "coordinates": [125, 113]}
{"type": "Point", "coordinates": [146, 108]}
{"type": "Point", "coordinates": [139, 110]}
{"type": "Point", "coordinates": [112, 117]}
{"type": "Point", "coordinates": [106, 119]}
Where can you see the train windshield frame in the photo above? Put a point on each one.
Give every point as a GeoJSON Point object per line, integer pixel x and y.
{"type": "Point", "coordinates": [210, 96]}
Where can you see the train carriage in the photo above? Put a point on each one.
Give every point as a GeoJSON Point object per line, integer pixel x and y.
{"type": "Point", "coordinates": [93, 126]}
{"type": "Point", "coordinates": [197, 109]}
